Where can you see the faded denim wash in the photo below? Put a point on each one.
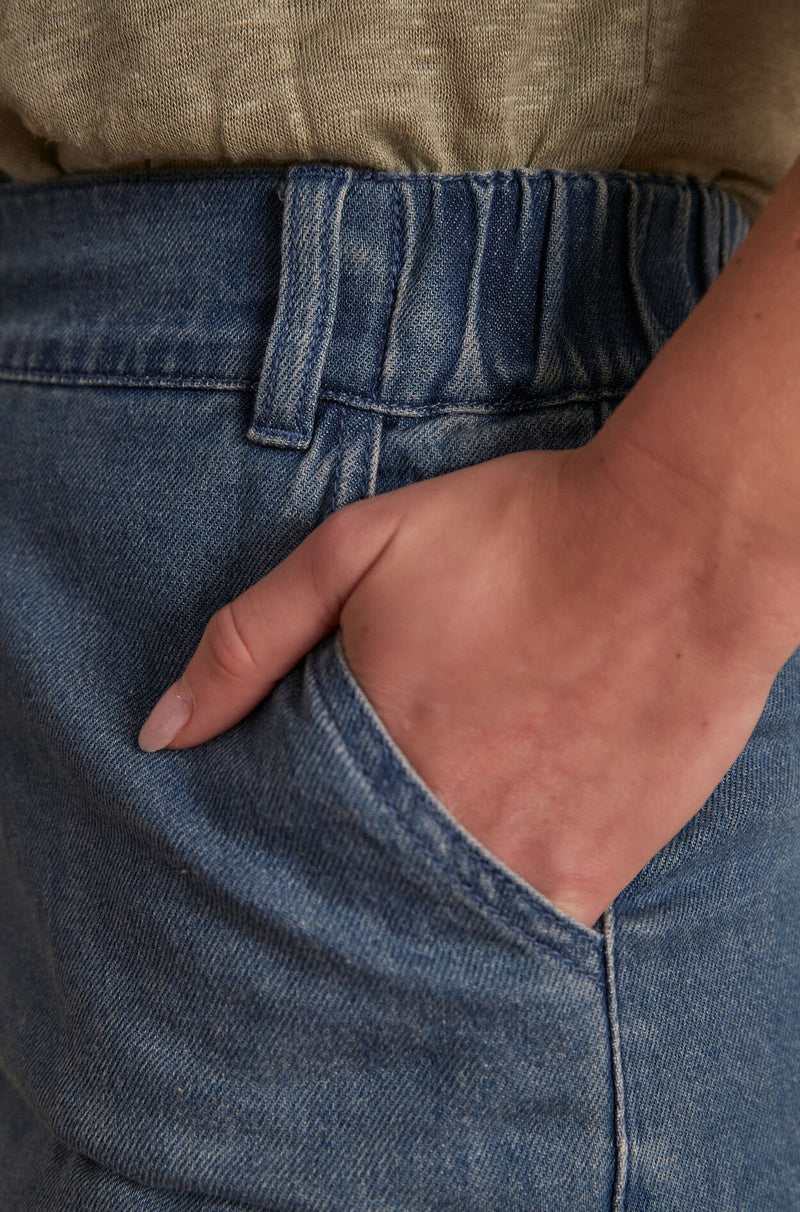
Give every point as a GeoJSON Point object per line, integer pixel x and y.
{"type": "Point", "coordinates": [272, 972]}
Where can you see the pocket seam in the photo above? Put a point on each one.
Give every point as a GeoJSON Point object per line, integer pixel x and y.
{"type": "Point", "coordinates": [418, 788]}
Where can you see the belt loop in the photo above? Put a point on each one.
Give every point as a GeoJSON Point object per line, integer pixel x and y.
{"type": "Point", "coordinates": [291, 374]}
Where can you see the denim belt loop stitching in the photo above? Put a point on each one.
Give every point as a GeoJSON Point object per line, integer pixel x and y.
{"type": "Point", "coordinates": [291, 374]}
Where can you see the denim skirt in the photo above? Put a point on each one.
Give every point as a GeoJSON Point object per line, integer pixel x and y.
{"type": "Point", "coordinates": [273, 972]}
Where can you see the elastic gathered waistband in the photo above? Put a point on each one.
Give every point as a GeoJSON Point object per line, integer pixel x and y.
{"type": "Point", "coordinates": [402, 293]}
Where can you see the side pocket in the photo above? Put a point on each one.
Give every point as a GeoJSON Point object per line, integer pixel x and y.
{"type": "Point", "coordinates": [419, 825]}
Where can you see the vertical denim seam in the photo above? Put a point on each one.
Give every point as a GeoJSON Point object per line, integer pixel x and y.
{"type": "Point", "coordinates": [618, 1198]}
{"type": "Point", "coordinates": [725, 218]}
{"type": "Point", "coordinates": [394, 278]}
{"type": "Point", "coordinates": [339, 459]}
{"type": "Point", "coordinates": [698, 234]}
{"type": "Point", "coordinates": [471, 324]}
{"type": "Point", "coordinates": [543, 264]}
{"type": "Point", "coordinates": [631, 221]}
{"type": "Point", "coordinates": [310, 263]}
{"type": "Point", "coordinates": [285, 320]}
{"type": "Point", "coordinates": [322, 304]}
{"type": "Point", "coordinates": [373, 428]}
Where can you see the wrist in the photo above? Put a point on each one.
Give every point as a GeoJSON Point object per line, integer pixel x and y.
{"type": "Point", "coordinates": [687, 553]}
{"type": "Point", "coordinates": [707, 443]}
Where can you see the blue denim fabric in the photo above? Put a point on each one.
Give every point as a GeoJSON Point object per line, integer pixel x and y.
{"type": "Point", "coordinates": [272, 972]}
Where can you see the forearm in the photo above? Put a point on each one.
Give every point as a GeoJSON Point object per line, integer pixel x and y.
{"type": "Point", "coordinates": [709, 438]}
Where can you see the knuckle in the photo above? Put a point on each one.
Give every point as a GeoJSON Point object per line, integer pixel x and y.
{"type": "Point", "coordinates": [333, 538]}
{"type": "Point", "coordinates": [334, 530]}
{"type": "Point", "coordinates": [229, 652]}
{"type": "Point", "coordinates": [348, 544]}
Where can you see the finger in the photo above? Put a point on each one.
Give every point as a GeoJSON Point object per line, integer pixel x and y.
{"type": "Point", "coordinates": [253, 641]}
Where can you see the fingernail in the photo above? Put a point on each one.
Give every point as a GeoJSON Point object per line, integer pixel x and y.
{"type": "Point", "coordinates": [170, 714]}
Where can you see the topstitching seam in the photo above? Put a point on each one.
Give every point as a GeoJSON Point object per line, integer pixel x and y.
{"type": "Point", "coordinates": [464, 884]}
{"type": "Point", "coordinates": [71, 378]}
{"type": "Point", "coordinates": [323, 305]}
{"type": "Point", "coordinates": [286, 318]}
{"type": "Point", "coordinates": [620, 1120]}
{"type": "Point", "coordinates": [394, 276]}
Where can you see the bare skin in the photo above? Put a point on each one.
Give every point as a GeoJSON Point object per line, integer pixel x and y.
{"type": "Point", "coordinates": [536, 649]}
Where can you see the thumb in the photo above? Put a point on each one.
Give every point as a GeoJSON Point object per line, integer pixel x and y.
{"type": "Point", "coordinates": [253, 641]}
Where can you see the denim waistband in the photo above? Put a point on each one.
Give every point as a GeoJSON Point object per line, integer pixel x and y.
{"type": "Point", "coordinates": [401, 293]}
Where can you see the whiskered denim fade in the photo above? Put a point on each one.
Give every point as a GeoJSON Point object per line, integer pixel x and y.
{"type": "Point", "coordinates": [272, 972]}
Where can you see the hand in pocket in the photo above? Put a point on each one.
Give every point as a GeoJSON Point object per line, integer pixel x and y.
{"type": "Point", "coordinates": [546, 647]}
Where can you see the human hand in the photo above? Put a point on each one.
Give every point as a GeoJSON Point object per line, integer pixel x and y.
{"type": "Point", "coordinates": [538, 642]}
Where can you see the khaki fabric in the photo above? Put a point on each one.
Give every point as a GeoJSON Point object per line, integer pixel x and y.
{"type": "Point", "coordinates": [710, 87]}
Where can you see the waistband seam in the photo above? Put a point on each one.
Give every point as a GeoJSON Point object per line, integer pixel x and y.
{"type": "Point", "coordinates": [411, 300]}
{"type": "Point", "coordinates": [352, 400]}
{"type": "Point", "coordinates": [312, 168]}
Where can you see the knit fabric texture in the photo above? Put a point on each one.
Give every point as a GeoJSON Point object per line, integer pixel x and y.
{"type": "Point", "coordinates": [710, 87]}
